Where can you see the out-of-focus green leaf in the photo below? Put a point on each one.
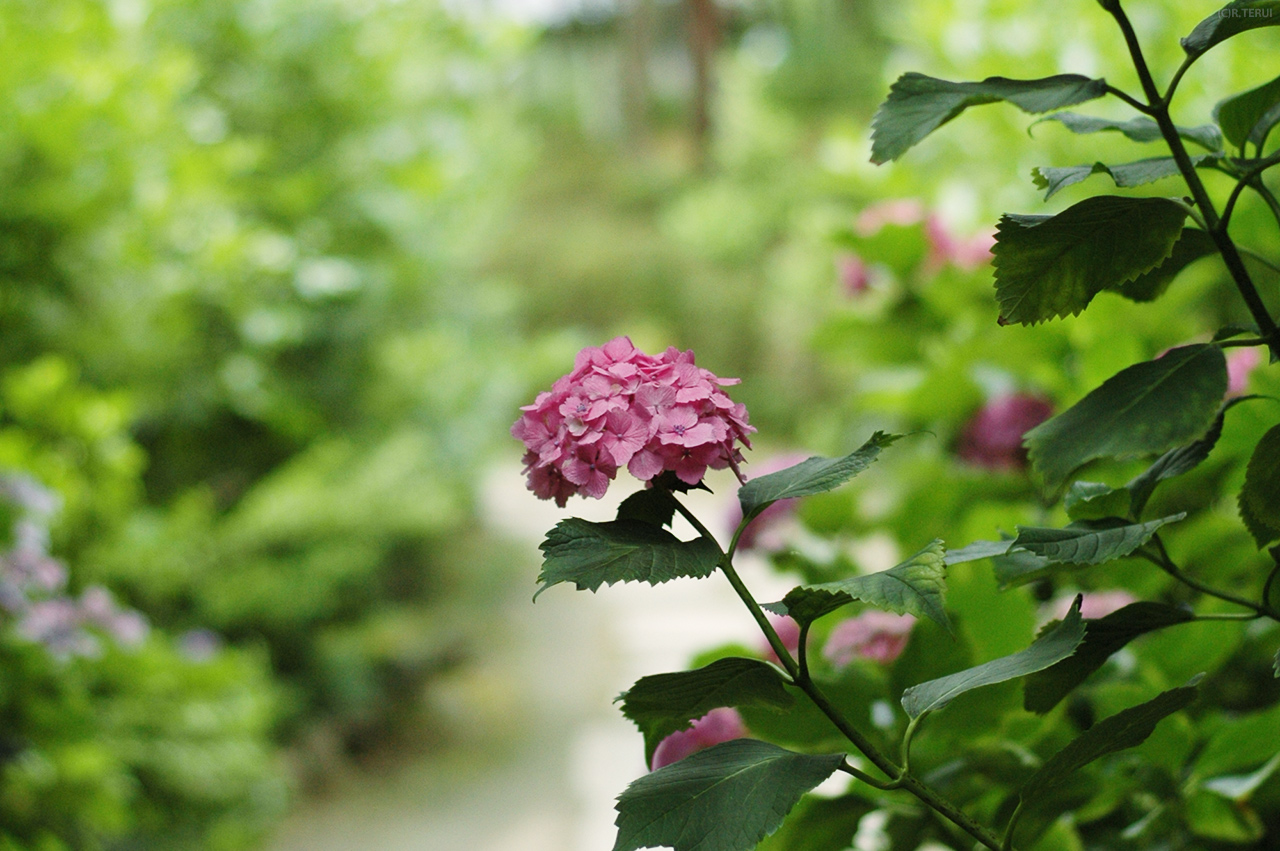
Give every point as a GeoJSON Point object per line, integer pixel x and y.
{"type": "Point", "coordinates": [661, 704]}
{"type": "Point", "coordinates": [593, 554]}
{"type": "Point", "coordinates": [1238, 787]}
{"type": "Point", "coordinates": [1242, 116]}
{"type": "Point", "coordinates": [1048, 649]}
{"type": "Point", "coordinates": [1149, 407]}
{"type": "Point", "coordinates": [1053, 266]}
{"type": "Point", "coordinates": [1260, 497]}
{"type": "Point", "coordinates": [725, 798]}
{"type": "Point", "coordinates": [918, 105]}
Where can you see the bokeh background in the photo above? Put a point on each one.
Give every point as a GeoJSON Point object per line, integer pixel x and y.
{"type": "Point", "coordinates": [275, 276]}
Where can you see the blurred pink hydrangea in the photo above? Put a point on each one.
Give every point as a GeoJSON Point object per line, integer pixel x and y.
{"type": "Point", "coordinates": [1093, 605]}
{"type": "Point", "coordinates": [854, 274]}
{"type": "Point", "coordinates": [897, 211]}
{"type": "Point", "coordinates": [718, 725]}
{"type": "Point", "coordinates": [945, 248]}
{"type": "Point", "coordinates": [993, 438]}
{"type": "Point", "coordinates": [875, 635]}
{"type": "Point", "coordinates": [622, 408]}
{"type": "Point", "coordinates": [1240, 363]}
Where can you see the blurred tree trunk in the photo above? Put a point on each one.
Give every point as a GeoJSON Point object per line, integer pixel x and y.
{"type": "Point", "coordinates": [704, 35]}
{"type": "Point", "coordinates": [636, 94]}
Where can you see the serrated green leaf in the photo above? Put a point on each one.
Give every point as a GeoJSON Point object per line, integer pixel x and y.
{"type": "Point", "coordinates": [1126, 729]}
{"type": "Point", "coordinates": [1139, 129]}
{"type": "Point", "coordinates": [813, 475]}
{"type": "Point", "coordinates": [1050, 648]}
{"type": "Point", "coordinates": [1090, 543]}
{"type": "Point", "coordinates": [1260, 497]}
{"type": "Point", "coordinates": [1179, 460]}
{"type": "Point", "coordinates": [1241, 116]}
{"type": "Point", "coordinates": [655, 506]}
{"type": "Point", "coordinates": [1149, 407]}
{"type": "Point", "coordinates": [1094, 501]}
{"type": "Point", "coordinates": [1053, 267]}
{"type": "Point", "coordinates": [662, 704]}
{"type": "Point", "coordinates": [916, 586]}
{"type": "Point", "coordinates": [917, 105]}
{"type": "Point", "coordinates": [1135, 173]}
{"type": "Point", "coordinates": [1190, 247]}
{"type": "Point", "coordinates": [1232, 19]}
{"type": "Point", "coordinates": [725, 798]}
{"type": "Point", "coordinates": [1043, 690]}
{"type": "Point", "coordinates": [594, 554]}
{"type": "Point", "coordinates": [820, 824]}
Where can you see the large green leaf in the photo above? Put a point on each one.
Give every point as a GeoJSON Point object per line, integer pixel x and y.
{"type": "Point", "coordinates": [1053, 266]}
{"type": "Point", "coordinates": [1126, 729]}
{"type": "Point", "coordinates": [1149, 407]}
{"type": "Point", "coordinates": [1050, 648]}
{"type": "Point", "coordinates": [1044, 689]}
{"type": "Point", "coordinates": [813, 475]}
{"type": "Point", "coordinates": [1260, 497]}
{"type": "Point", "coordinates": [917, 105]}
{"type": "Point", "coordinates": [916, 587]}
{"type": "Point", "coordinates": [661, 704]}
{"type": "Point", "coordinates": [1232, 19]}
{"type": "Point", "coordinates": [725, 798]}
{"type": "Point", "coordinates": [594, 554]}
{"type": "Point", "coordinates": [1190, 247]}
{"type": "Point", "coordinates": [1139, 128]}
{"type": "Point", "coordinates": [1091, 542]}
{"type": "Point", "coordinates": [1135, 173]}
{"type": "Point", "coordinates": [1242, 116]}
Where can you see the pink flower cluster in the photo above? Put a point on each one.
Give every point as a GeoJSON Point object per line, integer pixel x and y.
{"type": "Point", "coordinates": [717, 726]}
{"type": "Point", "coordinates": [875, 635]}
{"type": "Point", "coordinates": [620, 407]}
{"type": "Point", "coordinates": [993, 437]}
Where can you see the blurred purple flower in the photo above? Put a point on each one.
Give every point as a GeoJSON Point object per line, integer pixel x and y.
{"type": "Point", "coordinates": [199, 645]}
{"type": "Point", "coordinates": [993, 437]}
{"type": "Point", "coordinates": [718, 725]}
{"type": "Point", "coordinates": [875, 635]}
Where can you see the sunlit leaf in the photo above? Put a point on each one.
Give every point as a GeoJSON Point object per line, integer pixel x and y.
{"type": "Point", "coordinates": [1139, 128]}
{"type": "Point", "coordinates": [594, 554]}
{"type": "Point", "coordinates": [661, 704]}
{"type": "Point", "coordinates": [1260, 497]}
{"type": "Point", "coordinates": [916, 587]}
{"type": "Point", "coordinates": [725, 798]}
{"type": "Point", "coordinates": [1050, 648]}
{"type": "Point", "coordinates": [1232, 19]}
{"type": "Point", "coordinates": [917, 105]}
{"type": "Point", "coordinates": [1053, 266]}
{"type": "Point", "coordinates": [1104, 636]}
{"type": "Point", "coordinates": [1149, 407]}
{"type": "Point", "coordinates": [813, 475]}
{"type": "Point", "coordinates": [1126, 729]}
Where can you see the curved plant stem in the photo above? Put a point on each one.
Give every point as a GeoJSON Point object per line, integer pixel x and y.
{"type": "Point", "coordinates": [1158, 108]}
{"type": "Point", "coordinates": [1007, 842]}
{"type": "Point", "coordinates": [1160, 558]}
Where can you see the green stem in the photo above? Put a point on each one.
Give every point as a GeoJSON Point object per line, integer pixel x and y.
{"type": "Point", "coordinates": [1159, 110]}
{"type": "Point", "coordinates": [1160, 558]}
{"type": "Point", "coordinates": [1007, 842]}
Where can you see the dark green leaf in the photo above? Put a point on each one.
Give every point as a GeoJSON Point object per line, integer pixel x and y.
{"type": "Point", "coordinates": [654, 506]}
{"type": "Point", "coordinates": [1092, 543]}
{"type": "Point", "coordinates": [820, 824]}
{"type": "Point", "coordinates": [1146, 408]}
{"type": "Point", "coordinates": [1104, 636]}
{"type": "Point", "coordinates": [594, 554]}
{"type": "Point", "coordinates": [1053, 267]}
{"type": "Point", "coordinates": [1050, 648]}
{"type": "Point", "coordinates": [1094, 501]}
{"type": "Point", "coordinates": [1124, 175]}
{"type": "Point", "coordinates": [1139, 129]}
{"type": "Point", "coordinates": [1275, 665]}
{"type": "Point", "coordinates": [1241, 116]}
{"type": "Point", "coordinates": [918, 105]}
{"type": "Point", "coordinates": [1260, 497]}
{"type": "Point", "coordinates": [814, 475]}
{"type": "Point", "coordinates": [1232, 19]}
{"type": "Point", "coordinates": [1126, 729]}
{"type": "Point", "coordinates": [915, 587]}
{"type": "Point", "coordinates": [1190, 247]}
{"type": "Point", "coordinates": [1175, 462]}
{"type": "Point", "coordinates": [725, 798]}
{"type": "Point", "coordinates": [661, 704]}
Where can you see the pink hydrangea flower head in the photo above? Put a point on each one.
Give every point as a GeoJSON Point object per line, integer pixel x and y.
{"type": "Point", "coordinates": [875, 635]}
{"type": "Point", "coordinates": [993, 437]}
{"type": "Point", "coordinates": [1240, 363]}
{"type": "Point", "coordinates": [718, 725]}
{"type": "Point", "coordinates": [620, 407]}
{"type": "Point", "coordinates": [854, 274]}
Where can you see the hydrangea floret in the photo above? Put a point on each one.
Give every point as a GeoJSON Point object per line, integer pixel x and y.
{"type": "Point", "coordinates": [620, 407]}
